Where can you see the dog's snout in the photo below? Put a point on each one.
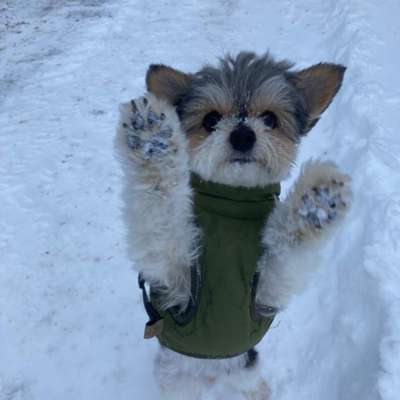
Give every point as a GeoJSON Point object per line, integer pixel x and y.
{"type": "Point", "coordinates": [242, 138]}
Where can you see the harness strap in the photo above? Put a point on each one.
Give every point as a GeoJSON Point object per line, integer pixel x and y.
{"type": "Point", "coordinates": [155, 324]}
{"type": "Point", "coordinates": [259, 309]}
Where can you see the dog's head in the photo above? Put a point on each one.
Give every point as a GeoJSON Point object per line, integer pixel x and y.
{"type": "Point", "coordinates": [244, 118]}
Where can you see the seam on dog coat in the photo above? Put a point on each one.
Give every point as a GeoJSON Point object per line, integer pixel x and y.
{"type": "Point", "coordinates": [221, 320]}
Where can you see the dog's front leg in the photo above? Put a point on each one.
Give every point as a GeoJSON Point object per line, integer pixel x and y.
{"type": "Point", "coordinates": [293, 233]}
{"type": "Point", "coordinates": [157, 197]}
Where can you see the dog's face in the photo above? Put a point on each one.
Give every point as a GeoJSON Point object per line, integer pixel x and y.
{"type": "Point", "coordinates": [245, 118]}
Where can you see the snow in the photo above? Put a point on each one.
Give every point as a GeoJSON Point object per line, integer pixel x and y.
{"type": "Point", "coordinates": [71, 320]}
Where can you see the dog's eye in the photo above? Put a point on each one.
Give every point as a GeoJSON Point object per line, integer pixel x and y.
{"type": "Point", "coordinates": [210, 120]}
{"type": "Point", "coordinates": [270, 119]}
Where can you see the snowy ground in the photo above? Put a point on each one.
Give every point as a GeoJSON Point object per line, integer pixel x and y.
{"type": "Point", "coordinates": [70, 315]}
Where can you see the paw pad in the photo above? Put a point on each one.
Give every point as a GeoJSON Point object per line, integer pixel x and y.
{"type": "Point", "coordinates": [134, 141]}
{"type": "Point", "coordinates": [321, 205]}
{"type": "Point", "coordinates": [138, 121]}
{"type": "Point", "coordinates": [147, 132]}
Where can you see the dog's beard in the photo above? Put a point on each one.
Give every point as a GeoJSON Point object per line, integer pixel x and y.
{"type": "Point", "coordinates": [236, 171]}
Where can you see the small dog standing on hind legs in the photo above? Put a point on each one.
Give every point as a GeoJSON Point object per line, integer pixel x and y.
{"type": "Point", "coordinates": [203, 155]}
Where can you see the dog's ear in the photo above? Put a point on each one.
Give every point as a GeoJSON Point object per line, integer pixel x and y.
{"type": "Point", "coordinates": [167, 83]}
{"type": "Point", "coordinates": [318, 85]}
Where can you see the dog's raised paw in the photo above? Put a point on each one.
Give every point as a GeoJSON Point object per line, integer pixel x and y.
{"type": "Point", "coordinates": [325, 197]}
{"type": "Point", "coordinates": [322, 204]}
{"type": "Point", "coordinates": [147, 128]}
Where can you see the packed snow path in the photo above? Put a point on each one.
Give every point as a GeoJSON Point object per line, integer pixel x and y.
{"type": "Point", "coordinates": [71, 321]}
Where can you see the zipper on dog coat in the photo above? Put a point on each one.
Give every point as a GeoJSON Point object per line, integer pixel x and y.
{"type": "Point", "coordinates": [221, 320]}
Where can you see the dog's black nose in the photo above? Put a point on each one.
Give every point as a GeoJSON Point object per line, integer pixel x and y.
{"type": "Point", "coordinates": [242, 138]}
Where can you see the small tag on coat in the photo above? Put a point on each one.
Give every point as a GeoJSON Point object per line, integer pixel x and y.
{"type": "Point", "coordinates": [153, 328]}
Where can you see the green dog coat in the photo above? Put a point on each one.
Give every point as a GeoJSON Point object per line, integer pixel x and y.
{"type": "Point", "coordinates": [221, 320]}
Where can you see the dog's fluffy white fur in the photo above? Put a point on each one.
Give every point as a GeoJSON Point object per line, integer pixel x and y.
{"type": "Point", "coordinates": [182, 378]}
{"type": "Point", "coordinates": [162, 237]}
{"type": "Point", "coordinates": [158, 209]}
{"type": "Point", "coordinates": [291, 243]}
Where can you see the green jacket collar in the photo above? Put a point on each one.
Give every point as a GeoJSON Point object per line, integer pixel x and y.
{"type": "Point", "coordinates": [234, 202]}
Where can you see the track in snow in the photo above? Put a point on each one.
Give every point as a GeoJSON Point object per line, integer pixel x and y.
{"type": "Point", "coordinates": [70, 314]}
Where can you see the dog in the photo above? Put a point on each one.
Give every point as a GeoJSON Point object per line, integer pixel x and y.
{"type": "Point", "coordinates": [216, 140]}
